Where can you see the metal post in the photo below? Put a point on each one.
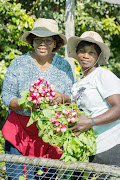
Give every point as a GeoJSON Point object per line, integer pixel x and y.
{"type": "Point", "coordinates": [70, 29]}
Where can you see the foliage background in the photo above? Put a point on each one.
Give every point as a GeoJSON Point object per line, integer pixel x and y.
{"type": "Point", "coordinates": [17, 16]}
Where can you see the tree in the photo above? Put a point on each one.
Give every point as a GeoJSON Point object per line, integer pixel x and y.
{"type": "Point", "coordinates": [18, 16]}
{"type": "Point", "coordinates": [13, 21]}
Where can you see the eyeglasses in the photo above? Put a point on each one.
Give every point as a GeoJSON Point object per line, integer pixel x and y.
{"type": "Point", "coordinates": [46, 41]}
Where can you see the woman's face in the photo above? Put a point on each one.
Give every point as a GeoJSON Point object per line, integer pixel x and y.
{"type": "Point", "coordinates": [87, 56]}
{"type": "Point", "coordinates": [43, 46]}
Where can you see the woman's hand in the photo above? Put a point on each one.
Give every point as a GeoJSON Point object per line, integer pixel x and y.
{"type": "Point", "coordinates": [83, 124]}
{"type": "Point", "coordinates": [36, 107]}
{"type": "Point", "coordinates": [14, 105]}
{"type": "Point", "coordinates": [60, 98]}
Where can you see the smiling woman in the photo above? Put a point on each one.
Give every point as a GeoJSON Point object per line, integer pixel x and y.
{"type": "Point", "coordinates": [43, 48]}
{"type": "Point", "coordinates": [97, 93]}
{"type": "Point", "coordinates": [87, 54]}
{"type": "Point", "coordinates": [22, 72]}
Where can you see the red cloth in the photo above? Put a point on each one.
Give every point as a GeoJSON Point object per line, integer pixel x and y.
{"type": "Point", "coordinates": [26, 139]}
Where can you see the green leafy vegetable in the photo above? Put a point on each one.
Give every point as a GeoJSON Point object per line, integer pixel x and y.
{"type": "Point", "coordinates": [53, 124]}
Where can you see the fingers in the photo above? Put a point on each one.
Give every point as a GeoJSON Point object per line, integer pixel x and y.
{"type": "Point", "coordinates": [52, 102]}
{"type": "Point", "coordinates": [70, 125]}
{"type": "Point", "coordinates": [57, 100]}
{"type": "Point", "coordinates": [75, 129]}
{"type": "Point", "coordinates": [58, 97]}
{"type": "Point", "coordinates": [36, 108]}
{"type": "Point", "coordinates": [75, 126]}
{"type": "Point", "coordinates": [77, 133]}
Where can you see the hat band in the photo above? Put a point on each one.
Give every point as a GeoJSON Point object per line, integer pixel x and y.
{"type": "Point", "coordinates": [43, 32]}
{"type": "Point", "coordinates": [89, 38]}
{"type": "Point", "coordinates": [44, 29]}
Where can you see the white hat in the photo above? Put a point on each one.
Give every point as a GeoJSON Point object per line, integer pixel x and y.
{"type": "Point", "coordinates": [89, 36]}
{"type": "Point", "coordinates": [44, 28]}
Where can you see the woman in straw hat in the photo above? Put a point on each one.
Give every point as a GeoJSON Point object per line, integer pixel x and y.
{"type": "Point", "coordinates": [42, 62]}
{"type": "Point", "coordinates": [97, 93]}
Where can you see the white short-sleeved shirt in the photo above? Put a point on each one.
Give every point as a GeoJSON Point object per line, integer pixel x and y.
{"type": "Point", "coordinates": [90, 95]}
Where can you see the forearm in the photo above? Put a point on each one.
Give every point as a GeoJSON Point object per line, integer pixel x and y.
{"type": "Point", "coordinates": [14, 104]}
{"type": "Point", "coordinates": [109, 116]}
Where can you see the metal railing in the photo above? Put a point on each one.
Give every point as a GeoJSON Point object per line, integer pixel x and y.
{"type": "Point", "coordinates": [76, 170]}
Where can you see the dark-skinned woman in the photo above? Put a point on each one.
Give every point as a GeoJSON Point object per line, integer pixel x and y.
{"type": "Point", "coordinates": [97, 93]}
{"type": "Point", "coordinates": [22, 72]}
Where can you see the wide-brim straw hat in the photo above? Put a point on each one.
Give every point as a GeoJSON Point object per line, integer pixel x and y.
{"type": "Point", "coordinates": [44, 28]}
{"type": "Point", "coordinates": [89, 36]}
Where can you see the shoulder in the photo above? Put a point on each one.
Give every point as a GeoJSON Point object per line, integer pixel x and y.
{"type": "Point", "coordinates": [102, 70]}
{"type": "Point", "coordinates": [103, 73]}
{"type": "Point", "coordinates": [20, 61]}
{"type": "Point", "coordinates": [62, 62]}
{"type": "Point", "coordinates": [107, 82]}
{"type": "Point", "coordinates": [63, 67]}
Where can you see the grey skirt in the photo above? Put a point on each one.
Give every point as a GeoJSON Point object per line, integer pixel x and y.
{"type": "Point", "coordinates": [109, 157]}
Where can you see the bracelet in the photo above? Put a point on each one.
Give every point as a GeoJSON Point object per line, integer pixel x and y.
{"type": "Point", "coordinates": [93, 122]}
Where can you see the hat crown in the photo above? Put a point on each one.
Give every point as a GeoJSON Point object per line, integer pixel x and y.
{"type": "Point", "coordinates": [49, 24]}
{"type": "Point", "coordinates": [92, 35]}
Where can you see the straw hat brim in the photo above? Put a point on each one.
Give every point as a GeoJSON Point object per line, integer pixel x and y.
{"type": "Point", "coordinates": [74, 41]}
{"type": "Point", "coordinates": [42, 32]}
